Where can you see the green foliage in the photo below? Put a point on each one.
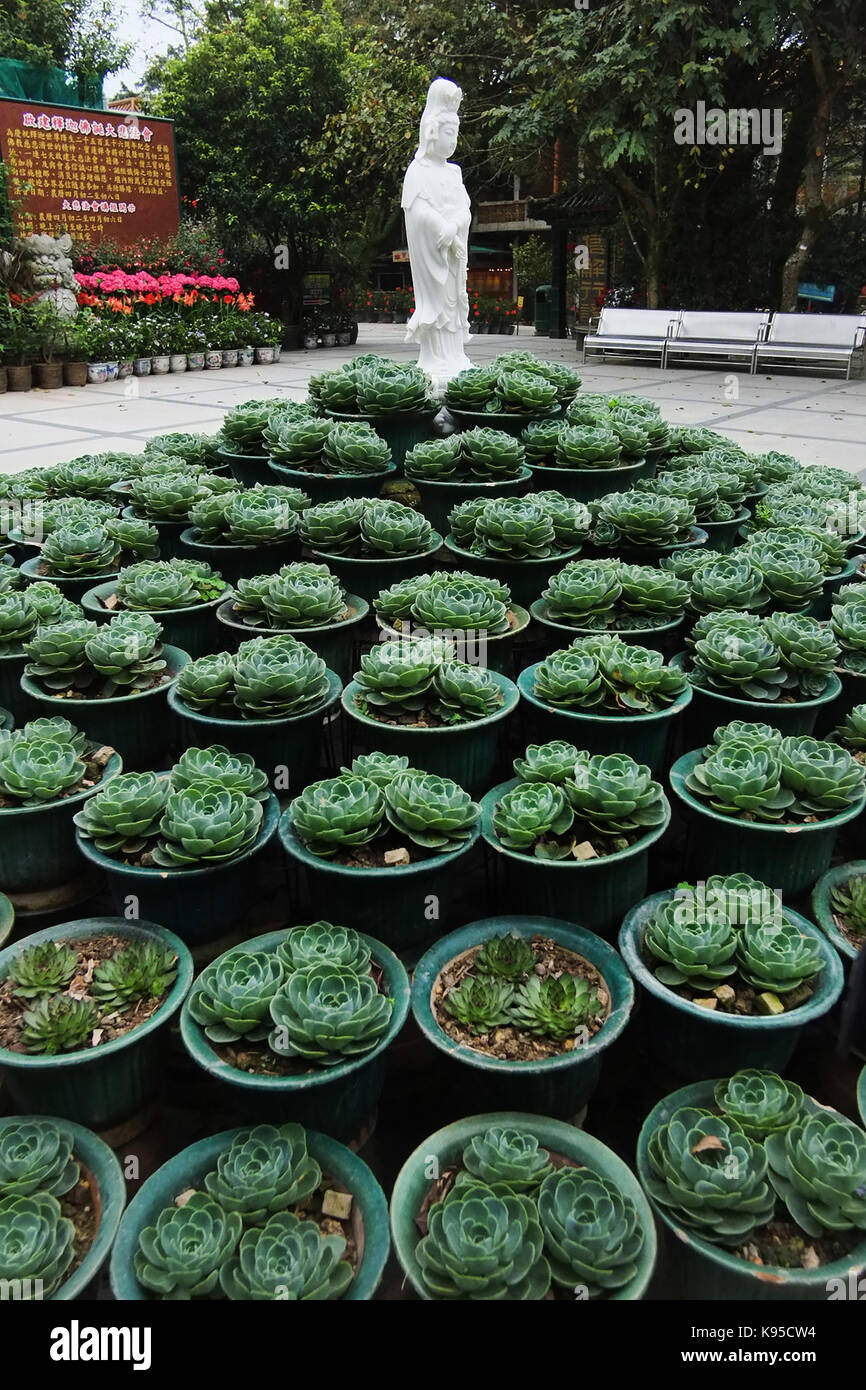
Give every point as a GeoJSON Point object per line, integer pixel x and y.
{"type": "Point", "coordinates": [849, 903]}
{"type": "Point", "coordinates": [398, 675]}
{"type": "Point", "coordinates": [481, 1246]}
{"type": "Point", "coordinates": [761, 658]}
{"type": "Point", "coordinates": [288, 1257]}
{"type": "Point", "coordinates": [142, 970]}
{"type": "Point", "coordinates": [604, 672]}
{"type": "Point", "coordinates": [334, 816]}
{"type": "Point", "coordinates": [615, 795]}
{"type": "Point", "coordinates": [57, 1023]}
{"type": "Point", "coordinates": [507, 1160]}
{"type": "Point", "coordinates": [203, 825]}
{"type": "Point", "coordinates": [481, 1003]}
{"type": "Point", "coordinates": [326, 1013]}
{"type": "Point", "coordinates": [547, 762]}
{"type": "Point", "coordinates": [798, 777]}
{"type": "Point", "coordinates": [434, 812]}
{"type": "Point", "coordinates": [156, 585]}
{"type": "Point", "coordinates": [466, 692]}
{"type": "Point", "coordinates": [777, 956]}
{"type": "Point", "coordinates": [218, 768]}
{"type": "Point", "coordinates": [584, 446]}
{"type": "Point", "coordinates": [231, 998]}
{"type": "Point", "coordinates": [555, 1008]}
{"type": "Point", "coordinates": [181, 1256]}
{"type": "Point", "coordinates": [43, 969]}
{"type": "Point", "coordinates": [641, 519]}
{"type": "Point", "coordinates": [818, 1168]}
{"type": "Point", "coordinates": [264, 1170]}
{"type": "Point", "coordinates": [459, 605]}
{"type": "Point", "coordinates": [35, 771]}
{"type": "Point", "coordinates": [730, 581]}
{"type": "Point", "coordinates": [760, 1102]}
{"type": "Point", "coordinates": [166, 497]}
{"type": "Point", "coordinates": [300, 595]}
{"type": "Point", "coordinates": [506, 957]}
{"type": "Point", "coordinates": [377, 767]}
{"type": "Point", "coordinates": [123, 818]}
{"type": "Point", "coordinates": [36, 1241]}
{"type": "Point", "coordinates": [691, 950]}
{"type": "Point", "coordinates": [278, 677]}
{"type": "Point", "coordinates": [530, 818]}
{"type": "Point", "coordinates": [35, 1157]}
{"type": "Point", "coordinates": [851, 733]}
{"type": "Point", "coordinates": [490, 454]}
{"type": "Point", "coordinates": [355, 447]}
{"type": "Point", "coordinates": [323, 943]}
{"type": "Point", "coordinates": [80, 549]}
{"type": "Point", "coordinates": [592, 1234]}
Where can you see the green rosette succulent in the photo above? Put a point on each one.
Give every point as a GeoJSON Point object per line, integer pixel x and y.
{"type": "Point", "coordinates": [615, 795]}
{"type": "Point", "coordinates": [851, 733]}
{"type": "Point", "coordinates": [287, 1258]}
{"type": "Point", "coordinates": [206, 681]}
{"type": "Point", "coordinates": [584, 593]}
{"type": "Point", "coordinates": [194, 449]}
{"type": "Point", "coordinates": [232, 996]}
{"type": "Point", "coordinates": [592, 1233]}
{"type": "Point", "coordinates": [818, 1168]}
{"type": "Point", "coordinates": [481, 1246]}
{"type": "Point", "coordinates": [391, 389]}
{"type": "Point", "coordinates": [51, 729]}
{"type": "Point", "coordinates": [435, 460]}
{"type": "Point", "coordinates": [58, 1023]}
{"type": "Point", "coordinates": [524, 393]}
{"type": "Point", "coordinates": [159, 585]}
{"type": "Point", "coordinates": [264, 1170]}
{"type": "Point", "coordinates": [735, 654]}
{"type": "Point", "coordinates": [79, 549]}
{"type": "Point", "coordinates": [471, 390]}
{"type": "Point", "coordinates": [547, 762]}
{"type": "Point", "coordinates": [135, 537]}
{"type": "Point", "coordinates": [243, 427]}
{"type": "Point", "coordinates": [377, 767]}
{"type": "Point", "coordinates": [321, 943]}
{"type": "Point", "coordinates": [491, 454]}
{"type": "Point", "coordinates": [462, 692]}
{"type": "Point", "coordinates": [127, 651]}
{"type": "Point", "coordinates": [165, 497]}
{"type": "Point", "coordinates": [507, 1160]}
{"type": "Point", "coordinates": [641, 519]}
{"type": "Point", "coordinates": [434, 812]}
{"type": "Point", "coordinates": [327, 1013]}
{"type": "Point", "coordinates": [36, 1244]}
{"type": "Point", "coordinates": [46, 968]}
{"type": "Point", "coordinates": [35, 1157]}
{"type": "Point", "coordinates": [531, 818]}
{"type": "Point", "coordinates": [459, 605]}
{"type": "Point", "coordinates": [691, 950]}
{"type": "Point", "coordinates": [506, 957]}
{"type": "Point", "coordinates": [391, 529]}
{"type": "Point", "coordinates": [777, 956]}
{"type": "Point", "coordinates": [514, 528]}
{"type": "Point", "coordinates": [217, 767]}
{"type": "Point", "coordinates": [87, 477]}
{"type": "Point", "coordinates": [760, 1102]}
{"type": "Point", "coordinates": [203, 825]}
{"type": "Point", "coordinates": [480, 1003]}
{"type": "Point", "coordinates": [731, 582]}
{"type": "Point", "coordinates": [35, 772]}
{"type": "Point", "coordinates": [742, 778]}
{"type": "Point", "coordinates": [791, 577]}
{"type": "Point", "coordinates": [555, 1008]}
{"type": "Point", "coordinates": [650, 597]}
{"type": "Point", "coordinates": [181, 1256]}
{"type": "Point", "coordinates": [258, 516]}
{"type": "Point", "coordinates": [297, 443]}
{"type": "Point", "coordinates": [355, 447]}
{"type": "Point", "coordinates": [462, 519]}
{"type": "Point", "coordinates": [398, 675]}
{"type": "Point", "coordinates": [18, 620]}
{"type": "Point", "coordinates": [588, 446]}
{"type": "Point", "coordinates": [685, 563]}
{"type": "Point", "coordinates": [571, 519]}
{"type": "Point", "coordinates": [849, 903]}
{"type": "Point", "coordinates": [539, 441]}
{"type": "Point", "coordinates": [142, 970]}
{"type": "Point", "coordinates": [393, 605]}
{"type": "Point", "coordinates": [333, 527]}
{"type": "Point", "coordinates": [336, 815]}
{"type": "Point", "coordinates": [569, 679]}
{"type": "Point", "coordinates": [300, 600]}
{"type": "Point", "coordinates": [848, 624]}
{"type": "Point", "coordinates": [123, 818]}
{"type": "Point", "coordinates": [278, 678]}
{"type": "Point", "coordinates": [824, 778]}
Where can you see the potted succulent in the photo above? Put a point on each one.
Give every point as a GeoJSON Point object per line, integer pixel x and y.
{"type": "Point", "coordinates": [839, 908]}
{"type": "Point", "coordinates": [179, 844]}
{"type": "Point", "coordinates": [328, 459]}
{"type": "Point", "coordinates": [481, 462]}
{"type": "Point", "coordinates": [18, 621]}
{"type": "Point", "coordinates": [240, 1236]}
{"type": "Point", "coordinates": [476, 614]}
{"type": "Point", "coordinates": [717, 498]}
{"type": "Point", "coordinates": [183, 596]}
{"type": "Point", "coordinates": [524, 1008]}
{"type": "Point", "coordinates": [164, 497]}
{"type": "Point", "coordinates": [572, 833]}
{"type": "Point", "coordinates": [848, 625]}
{"type": "Point", "coordinates": [381, 846]}
{"type": "Point", "coordinates": [642, 528]}
{"type": "Point", "coordinates": [112, 678]}
{"type": "Point", "coordinates": [412, 697]}
{"type": "Point", "coordinates": [730, 975]}
{"type": "Point", "coordinates": [396, 399]}
{"type": "Point", "coordinates": [553, 1209]}
{"type": "Point", "coordinates": [586, 461]}
{"type": "Point", "coordinates": [369, 544]}
{"type": "Point", "coordinates": [759, 1189]}
{"type": "Point", "coordinates": [297, 1023]}
{"type": "Point", "coordinates": [269, 700]}
{"type": "Point", "coordinates": [504, 398]}
{"type": "Point", "coordinates": [607, 697]}
{"type": "Point", "coordinates": [763, 804]}
{"type": "Point", "coordinates": [62, 1192]}
{"type": "Point", "coordinates": [244, 448]}
{"type": "Point", "coordinates": [7, 918]}
{"type": "Point", "coordinates": [302, 600]}
{"type": "Point", "coordinates": [636, 603]}
{"type": "Point", "coordinates": [519, 541]}
{"type": "Point", "coordinates": [240, 531]}
{"type": "Point", "coordinates": [48, 769]}
{"type": "Point", "coordinates": [85, 1009]}
{"type": "Point", "coordinates": [81, 552]}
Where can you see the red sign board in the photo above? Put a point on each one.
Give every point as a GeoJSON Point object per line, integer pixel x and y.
{"type": "Point", "coordinates": [95, 174]}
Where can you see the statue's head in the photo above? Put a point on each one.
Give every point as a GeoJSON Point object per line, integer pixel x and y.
{"type": "Point", "coordinates": [440, 123]}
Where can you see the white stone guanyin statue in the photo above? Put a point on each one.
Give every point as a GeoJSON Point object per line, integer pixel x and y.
{"type": "Point", "coordinates": [438, 215]}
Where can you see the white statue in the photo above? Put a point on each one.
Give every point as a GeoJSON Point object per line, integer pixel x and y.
{"type": "Point", "coordinates": [438, 215]}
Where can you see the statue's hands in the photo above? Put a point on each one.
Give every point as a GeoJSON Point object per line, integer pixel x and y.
{"type": "Point", "coordinates": [447, 238]}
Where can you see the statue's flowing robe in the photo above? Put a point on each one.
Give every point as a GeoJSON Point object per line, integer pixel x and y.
{"type": "Point", "coordinates": [434, 201]}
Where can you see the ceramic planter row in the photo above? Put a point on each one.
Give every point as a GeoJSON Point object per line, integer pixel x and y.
{"type": "Point", "coordinates": [160, 364]}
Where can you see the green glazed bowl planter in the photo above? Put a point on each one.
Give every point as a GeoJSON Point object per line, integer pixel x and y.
{"type": "Point", "coordinates": [343, 1096]}
{"type": "Point", "coordinates": [789, 857]}
{"type": "Point", "coordinates": [832, 584]}
{"type": "Point", "coordinates": [509, 422]}
{"type": "Point", "coordinates": [98, 1086]}
{"type": "Point", "coordinates": [169, 533]}
{"type": "Point", "coordinates": [406, 905]}
{"type": "Point", "coordinates": [7, 919]}
{"type": "Point", "coordinates": [587, 484]}
{"type": "Point", "coordinates": [446, 1148]}
{"type": "Point", "coordinates": [650, 554]}
{"type": "Point", "coordinates": [368, 576]}
{"type": "Point", "coordinates": [557, 635]}
{"type": "Point", "coordinates": [108, 1188]}
{"type": "Point", "coordinates": [137, 726]}
{"type": "Point", "coordinates": [401, 431]}
{"type": "Point", "coordinates": [702, 1270]}
{"type": "Point", "coordinates": [236, 562]}
{"type": "Point", "coordinates": [193, 629]}
{"type": "Point", "coordinates": [333, 642]}
{"type": "Point", "coordinates": [15, 702]}
{"type": "Point", "coordinates": [438, 497]}
{"type": "Point", "coordinates": [822, 911]}
{"type": "Point", "coordinates": [853, 692]}
{"type": "Point", "coordinates": [494, 653]}
{"type": "Point", "coordinates": [711, 709]}
{"type": "Point", "coordinates": [199, 905]}
{"type": "Point", "coordinates": [71, 588]}
{"type": "Point", "coordinates": [597, 893]}
{"type": "Point", "coordinates": [558, 1085]}
{"type": "Point", "coordinates": [289, 750]}
{"type": "Point", "coordinates": [722, 535]}
{"type": "Point", "coordinates": [189, 1168]}
{"type": "Point", "coordinates": [525, 578]}
{"type": "Point", "coordinates": [695, 1042]}
{"type": "Point", "coordinates": [247, 469]}
{"type": "Point", "coordinates": [332, 487]}
{"type": "Point", "coordinates": [643, 736]}
{"type": "Point", "coordinates": [464, 752]}
{"type": "Point", "coordinates": [37, 843]}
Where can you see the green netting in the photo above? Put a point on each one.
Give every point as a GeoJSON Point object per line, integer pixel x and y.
{"type": "Point", "coordinates": [24, 82]}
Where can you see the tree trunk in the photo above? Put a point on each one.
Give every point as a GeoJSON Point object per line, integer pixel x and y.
{"type": "Point", "coordinates": [654, 268]}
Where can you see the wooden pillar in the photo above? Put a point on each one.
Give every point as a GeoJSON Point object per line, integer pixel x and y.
{"type": "Point", "coordinates": [559, 276]}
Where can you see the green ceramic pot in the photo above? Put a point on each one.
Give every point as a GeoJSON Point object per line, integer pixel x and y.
{"type": "Point", "coordinates": [108, 1189]}
{"type": "Point", "coordinates": [464, 752]}
{"type": "Point", "coordinates": [702, 1270]}
{"type": "Point", "coordinates": [477, 648]}
{"type": "Point", "coordinates": [189, 1168]}
{"type": "Point", "coordinates": [651, 554]}
{"type": "Point", "coordinates": [445, 1148]}
{"type": "Point", "coordinates": [289, 750]}
{"type": "Point", "coordinates": [368, 576]}
{"type": "Point", "coordinates": [98, 1086]}
{"type": "Point", "coordinates": [247, 469]}
{"type": "Point", "coordinates": [711, 709]}
{"type": "Point", "coordinates": [169, 533]}
{"type": "Point", "coordinates": [71, 588]}
{"type": "Point", "coordinates": [853, 692]}
{"type": "Point", "coordinates": [790, 858]}
{"type": "Point", "coordinates": [832, 584]}
{"type": "Point", "coordinates": [722, 535]}
{"type": "Point", "coordinates": [587, 484]}
{"type": "Point", "coordinates": [16, 704]}
{"type": "Point", "coordinates": [525, 578]}
{"type": "Point", "coordinates": [331, 487]}
{"type": "Point", "coordinates": [438, 498]}
{"type": "Point", "coordinates": [509, 422]}
{"type": "Point", "coordinates": [193, 629]}
{"type": "Point", "coordinates": [200, 905]}
{"type": "Point", "coordinates": [400, 431]}
{"type": "Point", "coordinates": [695, 1042]}
{"type": "Point", "coordinates": [333, 642]}
{"type": "Point", "coordinates": [558, 1085]}
{"type": "Point", "coordinates": [7, 919]}
{"type": "Point", "coordinates": [341, 1096]}
{"type": "Point", "coordinates": [643, 736]}
{"type": "Point", "coordinates": [405, 905]}
{"type": "Point", "coordinates": [861, 1096]}
{"type": "Point", "coordinates": [136, 725]}
{"type": "Point", "coordinates": [558, 634]}
{"type": "Point", "coordinates": [852, 1022]}
{"type": "Point", "coordinates": [37, 843]}
{"type": "Point", "coordinates": [236, 562]}
{"type": "Point", "coordinates": [594, 892]}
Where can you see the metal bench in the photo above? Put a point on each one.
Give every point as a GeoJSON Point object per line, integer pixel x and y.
{"type": "Point", "coordinates": [706, 337]}
{"type": "Point", "coordinates": [632, 333]}
{"type": "Point", "coordinates": [828, 341]}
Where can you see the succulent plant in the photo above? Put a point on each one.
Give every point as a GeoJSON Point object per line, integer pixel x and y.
{"type": "Point", "coordinates": [777, 956]}
{"type": "Point", "coordinates": [791, 577]}
{"type": "Point", "coordinates": [650, 597]}
{"type": "Point", "coordinates": [49, 605]}
{"type": "Point", "coordinates": [278, 677]}
{"type": "Point", "coordinates": [604, 671]}
{"type": "Point", "coordinates": [123, 818]}
{"type": "Point", "coordinates": [585, 593]}
{"type": "Point", "coordinates": [818, 1168]}
{"type": "Point", "coordinates": [691, 950]}
{"type": "Point", "coordinates": [435, 459]}
{"type": "Point", "coordinates": [35, 771]}
{"type": "Point", "coordinates": [57, 653]}
{"type": "Point", "coordinates": [297, 443]}
{"type": "Point", "coordinates": [491, 454]}
{"type": "Point", "coordinates": [135, 537]}
{"type": "Point", "coordinates": [463, 692]}
{"type": "Point", "coordinates": [327, 1012]}
{"type": "Point", "coordinates": [547, 762]}
{"type": "Point", "coordinates": [35, 1157]}
{"type": "Point", "coordinates": [742, 777]}
{"type": "Point", "coordinates": [287, 1258]}
{"type": "Point", "coordinates": [633, 433]}
{"type": "Point", "coordinates": [506, 957]}
{"type": "Point", "coordinates": [300, 600]}
{"type": "Point", "coordinates": [531, 817]}
{"type": "Point", "coordinates": [244, 426]}
{"type": "Point", "coordinates": [203, 825]}
{"type": "Point", "coordinates": [641, 519]}
{"type": "Point", "coordinates": [615, 795]}
{"type": "Point", "coordinates": [506, 1160]}
{"type": "Point", "coordinates": [848, 623]}
{"type": "Point", "coordinates": [472, 390]}
{"type": "Point", "coordinates": [807, 649]}
{"type": "Point", "coordinates": [36, 1243]}
{"type": "Point", "coordinates": [824, 778]}
{"type": "Point", "coordinates": [735, 654]}
{"type": "Point", "coordinates": [731, 582]}
{"type": "Point", "coordinates": [79, 549]}
{"type": "Point", "coordinates": [333, 527]}
{"type": "Point", "coordinates": [391, 529]}
{"type": "Point", "coordinates": [43, 969]}
{"type": "Point", "coordinates": [127, 651]}
{"type": "Point", "coordinates": [231, 998]}
{"type": "Point", "coordinates": [481, 1003]}
{"type": "Point", "coordinates": [398, 675]}
{"type": "Point", "coordinates": [462, 518]}
{"type": "Point", "coordinates": [710, 1175]}
{"type": "Point", "coordinates": [143, 970]}
{"type": "Point", "coordinates": [760, 1102]}
{"type": "Point", "coordinates": [217, 767]}
{"type": "Point", "coordinates": [459, 605]}
{"type": "Point", "coordinates": [206, 681]}
{"type": "Point", "coordinates": [335, 815]}
{"type": "Point", "coordinates": [157, 585]}
{"type": "Point", "coordinates": [57, 1023]}
{"type": "Point", "coordinates": [592, 1233]}
{"type": "Point", "coordinates": [181, 1256]}
{"type": "Point", "coordinates": [321, 943]}
{"type": "Point", "coordinates": [377, 767]}
{"type": "Point", "coordinates": [483, 1246]}
{"type": "Point", "coordinates": [264, 1170]}
{"type": "Point", "coordinates": [539, 441]}
{"type": "Point", "coordinates": [434, 812]}
{"type": "Point", "coordinates": [259, 516]}
{"type": "Point", "coordinates": [194, 449]}
{"type": "Point", "coordinates": [525, 393]}
{"type": "Point", "coordinates": [165, 497]}
{"type": "Point", "coordinates": [355, 447]}
{"type": "Point", "coordinates": [586, 446]}
{"type": "Point", "coordinates": [848, 901]}
{"type": "Point", "coordinates": [571, 519]}
{"type": "Point", "coordinates": [388, 388]}
{"type": "Point", "coordinates": [514, 528]}
{"type": "Point", "coordinates": [555, 1007]}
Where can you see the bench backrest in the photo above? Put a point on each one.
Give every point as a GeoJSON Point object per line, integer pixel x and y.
{"type": "Point", "coordinates": [722, 327]}
{"type": "Point", "coordinates": [637, 323]}
{"type": "Point", "coordinates": [819, 330]}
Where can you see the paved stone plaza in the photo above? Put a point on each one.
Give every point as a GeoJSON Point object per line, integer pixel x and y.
{"type": "Point", "coordinates": [818, 419]}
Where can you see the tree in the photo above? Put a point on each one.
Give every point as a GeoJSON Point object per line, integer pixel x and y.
{"type": "Point", "coordinates": [79, 36]}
